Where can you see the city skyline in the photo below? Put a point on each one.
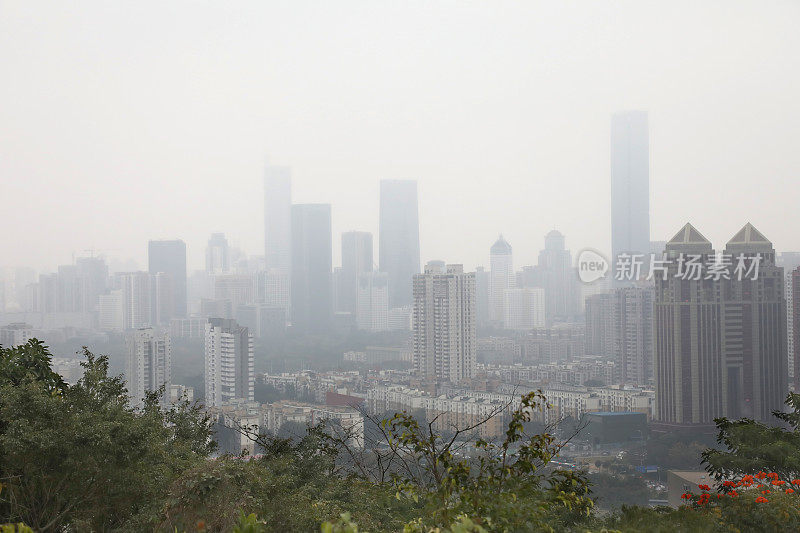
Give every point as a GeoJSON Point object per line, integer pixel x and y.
{"type": "Point", "coordinates": [522, 115]}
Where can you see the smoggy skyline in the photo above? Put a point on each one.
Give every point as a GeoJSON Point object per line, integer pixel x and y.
{"type": "Point", "coordinates": [123, 123]}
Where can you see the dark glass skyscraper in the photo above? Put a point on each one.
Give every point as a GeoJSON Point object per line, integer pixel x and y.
{"type": "Point", "coordinates": [630, 183]}
{"type": "Point", "coordinates": [311, 286]}
{"type": "Point", "coordinates": [170, 257]}
{"type": "Point", "coordinates": [399, 238]}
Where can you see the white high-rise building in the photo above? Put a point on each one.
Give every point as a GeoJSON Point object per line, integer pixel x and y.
{"type": "Point", "coordinates": [110, 311]}
{"type": "Point", "coordinates": [15, 334]}
{"type": "Point", "coordinates": [148, 362]}
{"type": "Point", "coordinates": [501, 279]}
{"type": "Point", "coordinates": [524, 309]}
{"type": "Point", "coordinates": [273, 288]}
{"type": "Point", "coordinates": [136, 298]}
{"type": "Point", "coordinates": [229, 363]}
{"type": "Point", "coordinates": [372, 302]}
{"type": "Point", "coordinates": [218, 254]}
{"type": "Point", "coordinates": [444, 323]}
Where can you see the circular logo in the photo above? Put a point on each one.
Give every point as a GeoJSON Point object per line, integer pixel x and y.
{"type": "Point", "coordinates": [591, 265]}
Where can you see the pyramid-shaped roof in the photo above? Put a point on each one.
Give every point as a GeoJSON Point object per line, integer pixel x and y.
{"type": "Point", "coordinates": [501, 246]}
{"type": "Point", "coordinates": [749, 235]}
{"type": "Point", "coordinates": [688, 235]}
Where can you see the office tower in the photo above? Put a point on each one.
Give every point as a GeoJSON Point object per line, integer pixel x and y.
{"type": "Point", "coordinates": [111, 310]}
{"type": "Point", "coordinates": [170, 257]}
{"type": "Point", "coordinates": [356, 259]}
{"type": "Point", "coordinates": [481, 296]}
{"type": "Point", "coordinates": [273, 288]}
{"type": "Point", "coordinates": [720, 344]}
{"type": "Point", "coordinates": [229, 363]}
{"type": "Point", "coordinates": [399, 238]}
{"type": "Point", "coordinates": [795, 307]}
{"type": "Point", "coordinates": [555, 274]}
{"type": "Point", "coordinates": [630, 184]}
{"type": "Point", "coordinates": [93, 275]}
{"type": "Point", "coordinates": [162, 299]}
{"type": "Point", "coordinates": [754, 338]}
{"type": "Point", "coordinates": [600, 331]}
{"type": "Point", "coordinates": [217, 254]}
{"type": "Point", "coordinates": [444, 323]}
{"type": "Point", "coordinates": [69, 297]}
{"type": "Point", "coordinates": [524, 309]}
{"type": "Point", "coordinates": [238, 289]}
{"type": "Point", "coordinates": [262, 320]}
{"type": "Point", "coordinates": [48, 293]}
{"type": "Point", "coordinates": [501, 279]}
{"type": "Point", "coordinates": [148, 362]}
{"type": "Point", "coordinates": [136, 298]}
{"type": "Point", "coordinates": [15, 334]}
{"type": "Point", "coordinates": [633, 334]}
{"type": "Point", "coordinates": [372, 303]}
{"type": "Point", "coordinates": [311, 291]}
{"type": "Point", "coordinates": [278, 218]}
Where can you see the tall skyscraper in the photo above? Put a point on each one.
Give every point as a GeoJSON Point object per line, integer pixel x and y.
{"type": "Point", "coordinates": [720, 344]}
{"type": "Point", "coordinates": [555, 274]}
{"type": "Point", "coordinates": [229, 362]}
{"type": "Point", "coordinates": [356, 260]}
{"type": "Point", "coordinates": [444, 323]}
{"type": "Point", "coordinates": [170, 257]}
{"type": "Point", "coordinates": [278, 218]}
{"type": "Point", "coordinates": [399, 238]}
{"type": "Point", "coordinates": [148, 362]}
{"type": "Point", "coordinates": [311, 285]}
{"type": "Point", "coordinates": [630, 183]}
{"type": "Point", "coordinates": [501, 279]}
{"type": "Point", "coordinates": [217, 254]}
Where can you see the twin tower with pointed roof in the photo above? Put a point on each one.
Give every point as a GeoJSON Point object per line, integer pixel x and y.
{"type": "Point", "coordinates": [719, 333]}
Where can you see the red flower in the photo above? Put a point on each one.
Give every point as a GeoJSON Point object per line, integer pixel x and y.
{"type": "Point", "coordinates": [749, 479]}
{"type": "Point", "coordinates": [733, 493]}
{"type": "Point", "coordinates": [704, 487]}
{"type": "Point", "coordinates": [761, 475]}
{"type": "Point", "coordinates": [789, 491]}
{"type": "Point", "coordinates": [703, 499]}
{"type": "Point", "coordinates": [761, 499]}
{"type": "Point", "coordinates": [796, 482]}
{"type": "Point", "coordinates": [727, 484]}
{"type": "Point", "coordinates": [686, 496]}
{"type": "Point", "coordinates": [764, 492]}
{"type": "Point", "coordinates": [773, 475]}
{"type": "Point", "coordinates": [778, 483]}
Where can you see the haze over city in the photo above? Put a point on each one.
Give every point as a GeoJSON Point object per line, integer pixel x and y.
{"type": "Point", "coordinates": [126, 122]}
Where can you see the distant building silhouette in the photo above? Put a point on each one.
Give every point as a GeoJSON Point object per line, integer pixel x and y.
{"type": "Point", "coordinates": [501, 279]}
{"type": "Point", "coordinates": [630, 184]}
{"type": "Point", "coordinates": [170, 257]}
{"type": "Point", "coordinates": [399, 238]}
{"type": "Point", "coordinates": [311, 286]}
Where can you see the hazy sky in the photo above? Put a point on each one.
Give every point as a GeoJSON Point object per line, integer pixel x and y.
{"type": "Point", "coordinates": [126, 121]}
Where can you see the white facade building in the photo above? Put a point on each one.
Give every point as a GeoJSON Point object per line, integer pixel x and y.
{"type": "Point", "coordinates": [444, 323]}
{"type": "Point", "coordinates": [229, 363]}
{"type": "Point", "coordinates": [15, 334]}
{"type": "Point", "coordinates": [110, 311]}
{"type": "Point", "coordinates": [524, 309]}
{"type": "Point", "coordinates": [372, 301]}
{"type": "Point", "coordinates": [501, 279]}
{"type": "Point", "coordinates": [148, 362]}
